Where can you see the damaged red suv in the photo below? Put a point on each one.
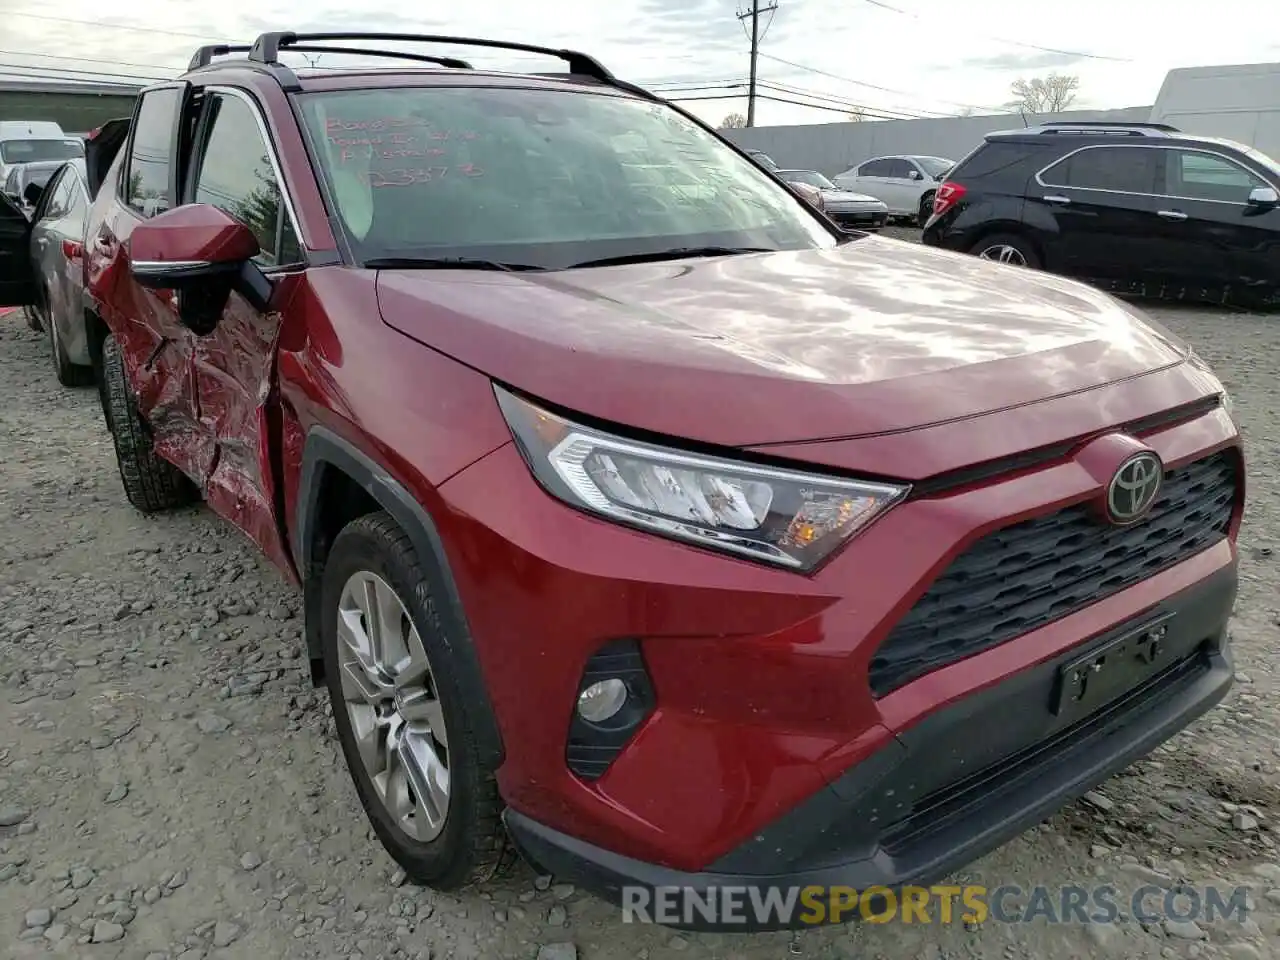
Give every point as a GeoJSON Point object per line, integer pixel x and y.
{"type": "Point", "coordinates": [642, 516]}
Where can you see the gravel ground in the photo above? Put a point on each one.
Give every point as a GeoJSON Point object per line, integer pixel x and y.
{"type": "Point", "coordinates": [170, 785]}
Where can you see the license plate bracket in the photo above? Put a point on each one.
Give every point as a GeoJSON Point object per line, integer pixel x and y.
{"type": "Point", "coordinates": [1094, 679]}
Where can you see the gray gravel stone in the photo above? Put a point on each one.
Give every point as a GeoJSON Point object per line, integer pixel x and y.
{"type": "Point", "coordinates": [558, 951]}
{"type": "Point", "coordinates": [11, 815]}
{"type": "Point", "coordinates": [104, 931]}
{"type": "Point", "coordinates": [1184, 930]}
{"type": "Point", "coordinates": [226, 933]}
{"type": "Point", "coordinates": [557, 916]}
{"type": "Point", "coordinates": [250, 860]}
{"type": "Point", "coordinates": [81, 877]}
{"type": "Point", "coordinates": [209, 722]}
{"type": "Point", "coordinates": [40, 917]}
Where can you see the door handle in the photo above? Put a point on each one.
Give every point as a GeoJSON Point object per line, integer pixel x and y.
{"type": "Point", "coordinates": [1171, 214]}
{"type": "Point", "coordinates": [1055, 198]}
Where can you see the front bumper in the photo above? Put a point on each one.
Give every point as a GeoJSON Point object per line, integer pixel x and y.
{"type": "Point", "coordinates": [859, 218]}
{"type": "Point", "coordinates": [958, 784]}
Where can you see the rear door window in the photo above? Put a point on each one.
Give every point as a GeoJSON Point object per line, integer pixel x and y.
{"type": "Point", "coordinates": [899, 169]}
{"type": "Point", "coordinates": [875, 168]}
{"type": "Point", "coordinates": [1112, 169]}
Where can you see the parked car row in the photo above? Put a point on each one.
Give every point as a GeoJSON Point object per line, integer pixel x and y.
{"type": "Point", "coordinates": [645, 520]}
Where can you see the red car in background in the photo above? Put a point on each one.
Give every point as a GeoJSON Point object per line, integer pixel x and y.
{"type": "Point", "coordinates": [673, 533]}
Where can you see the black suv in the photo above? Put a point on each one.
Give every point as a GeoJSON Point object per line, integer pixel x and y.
{"type": "Point", "coordinates": [1137, 208]}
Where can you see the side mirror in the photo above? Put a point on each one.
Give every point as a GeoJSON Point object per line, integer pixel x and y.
{"type": "Point", "coordinates": [203, 253]}
{"type": "Point", "coordinates": [1263, 197]}
{"type": "Point", "coordinates": [32, 194]}
{"type": "Point", "coordinates": [914, 175]}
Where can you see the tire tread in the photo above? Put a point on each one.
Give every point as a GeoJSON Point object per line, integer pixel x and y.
{"type": "Point", "coordinates": [151, 483]}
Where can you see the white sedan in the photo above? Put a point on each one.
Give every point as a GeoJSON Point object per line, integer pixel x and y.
{"type": "Point", "coordinates": [906, 184]}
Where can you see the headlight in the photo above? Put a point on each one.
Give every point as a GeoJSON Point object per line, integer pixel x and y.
{"type": "Point", "coordinates": [784, 517]}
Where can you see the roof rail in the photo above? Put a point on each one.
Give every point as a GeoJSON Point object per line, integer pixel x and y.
{"type": "Point", "coordinates": [204, 56]}
{"type": "Point", "coordinates": [1104, 128]}
{"type": "Point", "coordinates": [1111, 123]}
{"type": "Point", "coordinates": [266, 49]}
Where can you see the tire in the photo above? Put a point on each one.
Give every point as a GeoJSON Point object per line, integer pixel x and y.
{"type": "Point", "coordinates": [926, 209]}
{"type": "Point", "coordinates": [1007, 248]}
{"type": "Point", "coordinates": [69, 374]}
{"type": "Point", "coordinates": [33, 318]}
{"type": "Point", "coordinates": [151, 483]}
{"type": "Point", "coordinates": [468, 846]}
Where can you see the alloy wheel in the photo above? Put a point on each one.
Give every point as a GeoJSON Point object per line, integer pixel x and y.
{"type": "Point", "coordinates": [1004, 253]}
{"type": "Point", "coordinates": [396, 715]}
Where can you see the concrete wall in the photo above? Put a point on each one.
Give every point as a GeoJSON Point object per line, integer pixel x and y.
{"type": "Point", "coordinates": [832, 148]}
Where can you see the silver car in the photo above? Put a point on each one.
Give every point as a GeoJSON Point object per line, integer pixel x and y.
{"type": "Point", "coordinates": [57, 255]}
{"type": "Point", "coordinates": [853, 211]}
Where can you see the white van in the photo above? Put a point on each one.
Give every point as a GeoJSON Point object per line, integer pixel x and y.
{"type": "Point", "coordinates": [1239, 102]}
{"type": "Point", "coordinates": [23, 141]}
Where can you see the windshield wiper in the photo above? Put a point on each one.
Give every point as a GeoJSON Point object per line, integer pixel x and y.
{"type": "Point", "coordinates": [448, 263]}
{"type": "Point", "coordinates": [676, 253]}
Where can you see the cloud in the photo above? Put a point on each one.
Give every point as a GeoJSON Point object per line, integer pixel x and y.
{"type": "Point", "coordinates": [1015, 62]}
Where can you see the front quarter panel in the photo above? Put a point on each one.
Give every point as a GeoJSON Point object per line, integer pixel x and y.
{"type": "Point", "coordinates": [420, 415]}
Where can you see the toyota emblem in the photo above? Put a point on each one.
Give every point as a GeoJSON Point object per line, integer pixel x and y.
{"type": "Point", "coordinates": [1134, 488]}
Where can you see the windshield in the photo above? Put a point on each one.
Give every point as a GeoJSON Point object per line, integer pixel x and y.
{"type": "Point", "coordinates": [934, 166]}
{"type": "Point", "coordinates": [540, 177]}
{"type": "Point", "coordinates": [25, 151]}
{"type": "Point", "coordinates": [811, 177]}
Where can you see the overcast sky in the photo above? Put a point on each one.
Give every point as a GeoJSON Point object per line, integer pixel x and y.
{"type": "Point", "coordinates": [899, 57]}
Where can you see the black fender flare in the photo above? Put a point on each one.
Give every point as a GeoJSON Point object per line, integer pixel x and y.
{"type": "Point", "coordinates": [325, 450]}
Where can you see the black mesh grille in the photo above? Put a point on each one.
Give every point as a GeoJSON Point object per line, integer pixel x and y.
{"type": "Point", "coordinates": [1024, 576]}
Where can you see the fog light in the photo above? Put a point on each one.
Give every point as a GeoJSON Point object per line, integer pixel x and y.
{"type": "Point", "coordinates": [600, 701]}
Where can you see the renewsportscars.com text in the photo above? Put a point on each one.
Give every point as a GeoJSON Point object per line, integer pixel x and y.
{"type": "Point", "coordinates": [940, 904]}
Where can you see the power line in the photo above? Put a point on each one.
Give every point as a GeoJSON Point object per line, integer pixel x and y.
{"type": "Point", "coordinates": [761, 96]}
{"type": "Point", "coordinates": [123, 80]}
{"type": "Point", "coordinates": [1015, 43]}
{"type": "Point", "coordinates": [52, 56]}
{"type": "Point", "coordinates": [872, 86]}
{"type": "Point", "coordinates": [905, 114]}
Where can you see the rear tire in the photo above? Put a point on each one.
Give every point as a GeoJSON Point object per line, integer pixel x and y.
{"type": "Point", "coordinates": [69, 374]}
{"type": "Point", "coordinates": [151, 483]}
{"type": "Point", "coordinates": [1007, 248]}
{"type": "Point", "coordinates": [926, 209]}
{"type": "Point", "coordinates": [397, 698]}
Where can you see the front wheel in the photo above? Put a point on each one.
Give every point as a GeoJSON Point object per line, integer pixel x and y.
{"type": "Point", "coordinates": [402, 710]}
{"type": "Point", "coordinates": [1006, 248]}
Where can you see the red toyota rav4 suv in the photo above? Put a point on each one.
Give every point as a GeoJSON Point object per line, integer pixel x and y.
{"type": "Point", "coordinates": [640, 514]}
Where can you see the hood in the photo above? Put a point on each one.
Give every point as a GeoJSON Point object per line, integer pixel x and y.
{"type": "Point", "coordinates": [847, 196]}
{"type": "Point", "coordinates": [872, 336]}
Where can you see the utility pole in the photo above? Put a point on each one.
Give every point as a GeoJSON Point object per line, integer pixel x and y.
{"type": "Point", "coordinates": [754, 14]}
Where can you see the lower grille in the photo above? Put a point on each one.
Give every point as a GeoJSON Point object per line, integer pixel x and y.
{"type": "Point", "coordinates": [1020, 578]}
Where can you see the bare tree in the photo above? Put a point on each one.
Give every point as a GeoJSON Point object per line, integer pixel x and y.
{"type": "Point", "coordinates": [856, 115]}
{"type": "Point", "coordinates": [1048, 94]}
{"type": "Point", "coordinates": [733, 121]}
